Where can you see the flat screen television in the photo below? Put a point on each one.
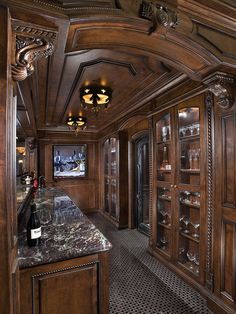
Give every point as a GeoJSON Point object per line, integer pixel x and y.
{"type": "Point", "coordinates": [69, 161]}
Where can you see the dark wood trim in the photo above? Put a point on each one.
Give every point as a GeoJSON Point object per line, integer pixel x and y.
{"type": "Point", "coordinates": [9, 295]}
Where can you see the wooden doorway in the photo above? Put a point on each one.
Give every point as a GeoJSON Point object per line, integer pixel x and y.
{"type": "Point", "coordinates": [141, 191]}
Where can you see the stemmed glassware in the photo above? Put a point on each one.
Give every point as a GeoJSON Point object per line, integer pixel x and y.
{"type": "Point", "coordinates": [59, 221]}
{"type": "Point", "coordinates": [45, 216]}
{"type": "Point", "coordinates": [186, 222]}
{"type": "Point", "coordinates": [164, 214]}
{"type": "Point", "coordinates": [182, 131]}
{"type": "Point", "coordinates": [191, 258]}
{"type": "Point", "coordinates": [164, 131]}
{"type": "Point", "coordinates": [196, 226]}
{"type": "Point", "coordinates": [163, 242]}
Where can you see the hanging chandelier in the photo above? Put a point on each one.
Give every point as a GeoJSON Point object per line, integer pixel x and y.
{"type": "Point", "coordinates": [76, 123]}
{"type": "Point", "coordinates": [95, 97]}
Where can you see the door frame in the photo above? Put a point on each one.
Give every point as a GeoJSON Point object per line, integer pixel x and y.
{"type": "Point", "coordinates": [131, 163]}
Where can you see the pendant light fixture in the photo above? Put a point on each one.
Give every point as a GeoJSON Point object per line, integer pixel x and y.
{"type": "Point", "coordinates": [95, 97]}
{"type": "Point", "coordinates": [76, 123]}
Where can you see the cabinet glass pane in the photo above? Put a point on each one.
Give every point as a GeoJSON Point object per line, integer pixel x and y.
{"type": "Point", "coordinates": [106, 157]}
{"type": "Point", "coordinates": [189, 230]}
{"type": "Point", "coordinates": [113, 198]}
{"type": "Point", "coordinates": [163, 219]}
{"type": "Point", "coordinates": [163, 129]}
{"type": "Point", "coordinates": [163, 150]}
{"type": "Point", "coordinates": [189, 138]}
{"type": "Point", "coordinates": [113, 156]}
{"type": "Point", "coordinates": [106, 193]}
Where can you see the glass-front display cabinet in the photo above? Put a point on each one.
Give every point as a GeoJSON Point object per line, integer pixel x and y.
{"type": "Point", "coordinates": [115, 170]}
{"type": "Point", "coordinates": [179, 186]}
{"type": "Point", "coordinates": [110, 177]}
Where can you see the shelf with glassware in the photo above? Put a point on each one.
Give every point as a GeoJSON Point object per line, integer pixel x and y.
{"type": "Point", "coordinates": [164, 172]}
{"type": "Point", "coordinates": [110, 178]}
{"type": "Point", "coordinates": [115, 176]}
{"type": "Point", "coordinates": [178, 224]}
{"type": "Point", "coordinates": [189, 191]}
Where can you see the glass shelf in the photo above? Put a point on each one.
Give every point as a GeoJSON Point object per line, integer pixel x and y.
{"type": "Point", "coordinates": [188, 236]}
{"type": "Point", "coordinates": [164, 225]}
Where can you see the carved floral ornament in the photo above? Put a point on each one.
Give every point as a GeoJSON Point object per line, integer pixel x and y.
{"type": "Point", "coordinates": [221, 85]}
{"type": "Point", "coordinates": [159, 15]}
{"type": "Point", "coordinates": [31, 45]}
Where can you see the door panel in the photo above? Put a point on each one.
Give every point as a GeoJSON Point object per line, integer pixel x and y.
{"type": "Point", "coordinates": [142, 184]}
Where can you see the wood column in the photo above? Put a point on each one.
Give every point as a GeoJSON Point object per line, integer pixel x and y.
{"type": "Point", "coordinates": [8, 239]}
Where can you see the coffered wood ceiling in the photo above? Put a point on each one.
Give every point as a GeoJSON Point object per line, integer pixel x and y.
{"type": "Point", "coordinates": [108, 40]}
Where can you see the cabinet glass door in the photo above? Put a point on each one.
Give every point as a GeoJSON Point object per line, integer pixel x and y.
{"type": "Point", "coordinates": [188, 193]}
{"type": "Point", "coordinates": [164, 219]}
{"type": "Point", "coordinates": [164, 150]}
{"type": "Point", "coordinates": [163, 142]}
{"type": "Point", "coordinates": [189, 145]}
{"type": "Point", "coordinates": [110, 177]}
{"type": "Point", "coordinates": [189, 230]}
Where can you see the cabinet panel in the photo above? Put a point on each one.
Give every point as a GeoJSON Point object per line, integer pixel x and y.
{"type": "Point", "coordinates": [228, 131]}
{"type": "Point", "coordinates": [76, 286]}
{"type": "Point", "coordinates": [50, 291]}
{"type": "Point", "coordinates": [115, 179]}
{"type": "Point", "coordinates": [228, 263]}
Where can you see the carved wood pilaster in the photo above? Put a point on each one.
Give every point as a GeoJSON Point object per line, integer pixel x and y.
{"type": "Point", "coordinates": [159, 15]}
{"type": "Point", "coordinates": [220, 84]}
{"type": "Point", "coordinates": [150, 126]}
{"type": "Point", "coordinates": [210, 198]}
{"type": "Point", "coordinates": [31, 44]}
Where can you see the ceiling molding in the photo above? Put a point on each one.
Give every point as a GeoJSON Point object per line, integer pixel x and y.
{"type": "Point", "coordinates": [77, 80]}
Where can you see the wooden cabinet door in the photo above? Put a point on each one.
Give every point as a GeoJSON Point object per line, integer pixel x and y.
{"type": "Point", "coordinates": [77, 286]}
{"type": "Point", "coordinates": [50, 291]}
{"type": "Point", "coordinates": [225, 205]}
{"type": "Point", "coordinates": [190, 213]}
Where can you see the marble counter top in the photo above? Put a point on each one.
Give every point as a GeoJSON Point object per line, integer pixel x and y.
{"type": "Point", "coordinates": [66, 232]}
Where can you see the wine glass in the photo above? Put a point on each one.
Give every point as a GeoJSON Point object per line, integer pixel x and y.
{"type": "Point", "coordinates": [186, 222]}
{"type": "Point", "coordinates": [164, 214]}
{"type": "Point", "coordinates": [191, 129]}
{"type": "Point", "coordinates": [45, 216]}
{"type": "Point", "coordinates": [191, 258]}
{"type": "Point", "coordinates": [59, 221]}
{"type": "Point", "coordinates": [195, 225]}
{"type": "Point", "coordinates": [197, 126]}
{"type": "Point", "coordinates": [164, 131]}
{"type": "Point", "coordinates": [164, 242]}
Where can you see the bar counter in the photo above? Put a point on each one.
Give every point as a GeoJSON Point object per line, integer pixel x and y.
{"type": "Point", "coordinates": [72, 260]}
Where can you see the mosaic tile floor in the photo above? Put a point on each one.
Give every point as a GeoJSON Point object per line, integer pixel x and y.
{"type": "Point", "coordinates": [139, 284]}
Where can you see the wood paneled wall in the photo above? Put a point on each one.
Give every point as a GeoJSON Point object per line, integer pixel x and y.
{"type": "Point", "coordinates": [83, 191]}
{"type": "Point", "coordinates": [225, 205]}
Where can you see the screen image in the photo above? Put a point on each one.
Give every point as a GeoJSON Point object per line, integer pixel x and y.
{"type": "Point", "coordinates": [69, 161]}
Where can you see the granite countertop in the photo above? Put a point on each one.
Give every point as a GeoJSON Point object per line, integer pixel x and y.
{"type": "Point", "coordinates": [66, 232]}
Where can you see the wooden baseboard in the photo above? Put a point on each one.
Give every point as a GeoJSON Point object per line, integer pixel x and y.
{"type": "Point", "coordinates": [112, 220]}
{"type": "Point", "coordinates": [217, 306]}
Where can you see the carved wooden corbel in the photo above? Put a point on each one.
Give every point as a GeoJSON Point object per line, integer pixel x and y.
{"type": "Point", "coordinates": [31, 45]}
{"type": "Point", "coordinates": [221, 85]}
{"type": "Point", "coordinates": [159, 15]}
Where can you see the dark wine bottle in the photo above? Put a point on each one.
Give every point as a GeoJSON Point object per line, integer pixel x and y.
{"type": "Point", "coordinates": [33, 228]}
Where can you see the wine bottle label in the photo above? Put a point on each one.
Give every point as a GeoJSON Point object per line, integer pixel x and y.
{"type": "Point", "coordinates": [35, 233]}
